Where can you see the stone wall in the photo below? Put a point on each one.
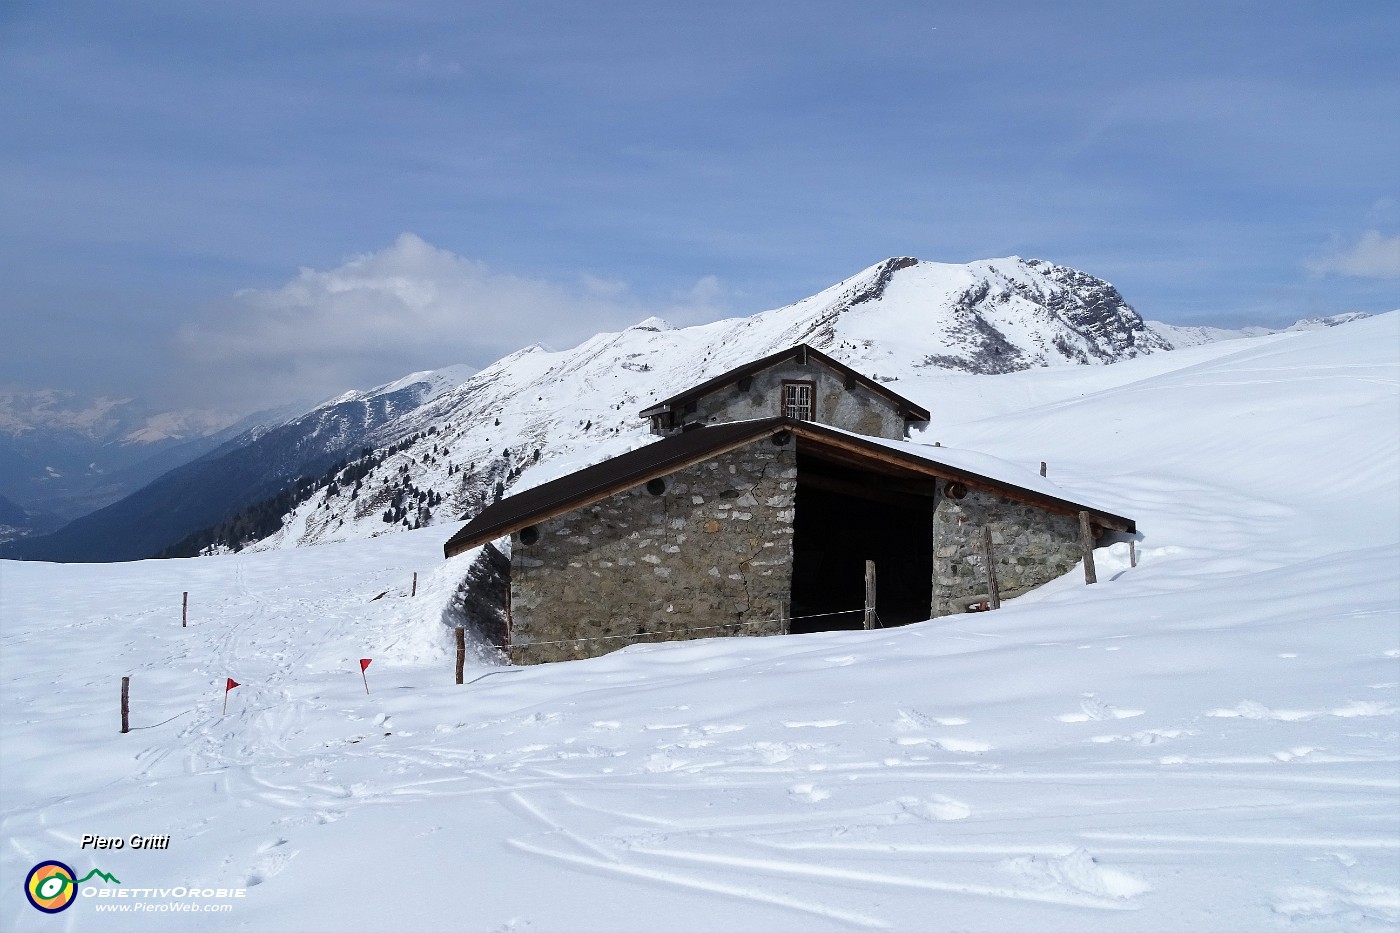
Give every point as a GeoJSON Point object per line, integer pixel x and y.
{"type": "Point", "coordinates": [1030, 546]}
{"type": "Point", "coordinates": [713, 549]}
{"type": "Point", "coordinates": [855, 409]}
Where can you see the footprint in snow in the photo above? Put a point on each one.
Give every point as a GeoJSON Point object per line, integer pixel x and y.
{"type": "Point", "coordinates": [911, 720]}
{"type": "Point", "coordinates": [1077, 871]}
{"type": "Point", "coordinates": [1302, 751]}
{"type": "Point", "coordinates": [720, 728]}
{"type": "Point", "coordinates": [934, 807]}
{"type": "Point", "coordinates": [815, 724]}
{"type": "Point", "coordinates": [270, 865]}
{"type": "Point", "coordinates": [1340, 903]}
{"type": "Point", "coordinates": [1092, 709]}
{"type": "Point", "coordinates": [809, 792]}
{"type": "Point", "coordinates": [1249, 709]}
{"type": "Point", "coordinates": [1146, 737]}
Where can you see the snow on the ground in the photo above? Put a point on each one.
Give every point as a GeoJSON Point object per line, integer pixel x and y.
{"type": "Point", "coordinates": [1210, 740]}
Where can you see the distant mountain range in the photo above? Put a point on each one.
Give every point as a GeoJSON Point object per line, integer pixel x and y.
{"type": "Point", "coordinates": [435, 447]}
{"type": "Point", "coordinates": [62, 456]}
{"type": "Point", "coordinates": [237, 472]}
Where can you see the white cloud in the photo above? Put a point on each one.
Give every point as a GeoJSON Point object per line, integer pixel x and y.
{"type": "Point", "coordinates": [1375, 256]}
{"type": "Point", "coordinates": [381, 315]}
{"type": "Point", "coordinates": [434, 67]}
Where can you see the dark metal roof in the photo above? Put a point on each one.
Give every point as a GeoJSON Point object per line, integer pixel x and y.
{"type": "Point", "coordinates": [911, 410]}
{"type": "Point", "coordinates": [626, 471]}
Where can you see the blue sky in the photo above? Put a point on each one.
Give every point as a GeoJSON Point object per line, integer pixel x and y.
{"type": "Point", "coordinates": [185, 188]}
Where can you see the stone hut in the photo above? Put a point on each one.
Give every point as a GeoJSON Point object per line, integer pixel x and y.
{"type": "Point", "coordinates": [763, 526]}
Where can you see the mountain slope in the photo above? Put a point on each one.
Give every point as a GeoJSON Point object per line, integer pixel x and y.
{"type": "Point", "coordinates": [240, 472]}
{"type": "Point", "coordinates": [518, 419]}
{"type": "Point", "coordinates": [1206, 741]}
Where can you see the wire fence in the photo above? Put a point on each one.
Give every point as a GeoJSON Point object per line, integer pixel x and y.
{"type": "Point", "coordinates": [685, 631]}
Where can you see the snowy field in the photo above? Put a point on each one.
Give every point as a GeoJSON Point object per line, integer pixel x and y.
{"type": "Point", "coordinates": [1208, 741]}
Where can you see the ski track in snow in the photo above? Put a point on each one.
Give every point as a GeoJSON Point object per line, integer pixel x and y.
{"type": "Point", "coordinates": [1206, 741]}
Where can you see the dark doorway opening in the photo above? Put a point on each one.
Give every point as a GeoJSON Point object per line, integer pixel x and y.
{"type": "Point", "coordinates": [844, 516]}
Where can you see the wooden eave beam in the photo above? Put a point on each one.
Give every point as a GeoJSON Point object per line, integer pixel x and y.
{"type": "Point", "coordinates": [891, 458]}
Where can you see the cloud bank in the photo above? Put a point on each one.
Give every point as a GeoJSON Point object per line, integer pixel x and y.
{"type": "Point", "coordinates": [407, 307]}
{"type": "Point", "coordinates": [1374, 256]}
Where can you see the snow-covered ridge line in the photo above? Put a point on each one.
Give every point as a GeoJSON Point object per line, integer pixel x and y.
{"type": "Point", "coordinates": [537, 414]}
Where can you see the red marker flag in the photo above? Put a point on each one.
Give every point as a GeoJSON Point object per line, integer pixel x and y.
{"type": "Point", "coordinates": [227, 687]}
{"type": "Point", "coordinates": [364, 663]}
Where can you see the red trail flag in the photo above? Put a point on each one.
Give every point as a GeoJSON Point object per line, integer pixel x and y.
{"type": "Point", "coordinates": [227, 687]}
{"type": "Point", "coordinates": [364, 663]}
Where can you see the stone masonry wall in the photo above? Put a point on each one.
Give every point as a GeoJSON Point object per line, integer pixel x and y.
{"type": "Point", "coordinates": [856, 409]}
{"type": "Point", "coordinates": [1030, 546]}
{"type": "Point", "coordinates": [714, 549]}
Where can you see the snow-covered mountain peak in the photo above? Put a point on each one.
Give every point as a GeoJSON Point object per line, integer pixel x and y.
{"type": "Point", "coordinates": [434, 381]}
{"type": "Point", "coordinates": [430, 384]}
{"type": "Point", "coordinates": [529, 416]}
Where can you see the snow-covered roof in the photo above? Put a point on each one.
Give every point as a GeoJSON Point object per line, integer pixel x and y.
{"type": "Point", "coordinates": [667, 455]}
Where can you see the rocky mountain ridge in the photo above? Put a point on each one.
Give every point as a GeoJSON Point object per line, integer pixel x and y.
{"type": "Point", "coordinates": [530, 416]}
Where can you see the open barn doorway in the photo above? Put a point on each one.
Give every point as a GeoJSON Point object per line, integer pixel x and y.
{"type": "Point", "coordinates": [844, 516]}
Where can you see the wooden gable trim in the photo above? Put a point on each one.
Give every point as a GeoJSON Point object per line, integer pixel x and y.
{"type": "Point", "coordinates": [803, 355]}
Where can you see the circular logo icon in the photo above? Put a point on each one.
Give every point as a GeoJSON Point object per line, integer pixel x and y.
{"type": "Point", "coordinates": [51, 887]}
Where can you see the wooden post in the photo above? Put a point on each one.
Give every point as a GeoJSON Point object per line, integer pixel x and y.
{"type": "Point", "coordinates": [1132, 553]}
{"type": "Point", "coordinates": [185, 611]}
{"type": "Point", "coordinates": [784, 616]}
{"type": "Point", "coordinates": [414, 591]}
{"type": "Point", "coordinates": [1086, 546]}
{"type": "Point", "coordinates": [126, 705]}
{"type": "Point", "coordinates": [869, 595]}
{"type": "Point", "coordinates": [993, 596]}
{"type": "Point", "coordinates": [1042, 468]}
{"type": "Point", "coordinates": [461, 652]}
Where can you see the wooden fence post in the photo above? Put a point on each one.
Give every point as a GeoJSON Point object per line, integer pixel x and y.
{"type": "Point", "coordinates": [185, 611]}
{"type": "Point", "coordinates": [784, 620]}
{"type": "Point", "coordinates": [126, 705]}
{"type": "Point", "coordinates": [414, 591]}
{"type": "Point", "coordinates": [461, 652]}
{"type": "Point", "coordinates": [1086, 546]}
{"type": "Point", "coordinates": [993, 593]}
{"type": "Point", "coordinates": [869, 595]}
{"type": "Point", "coordinates": [1132, 553]}
{"type": "Point", "coordinates": [1042, 468]}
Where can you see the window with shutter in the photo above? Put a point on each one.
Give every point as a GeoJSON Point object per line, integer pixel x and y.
{"type": "Point", "coordinates": [800, 400]}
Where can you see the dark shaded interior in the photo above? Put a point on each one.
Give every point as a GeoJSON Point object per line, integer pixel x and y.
{"type": "Point", "coordinates": [845, 516]}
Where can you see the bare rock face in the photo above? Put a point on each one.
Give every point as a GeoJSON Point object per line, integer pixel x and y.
{"type": "Point", "coordinates": [1095, 309]}
{"type": "Point", "coordinates": [1019, 314]}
